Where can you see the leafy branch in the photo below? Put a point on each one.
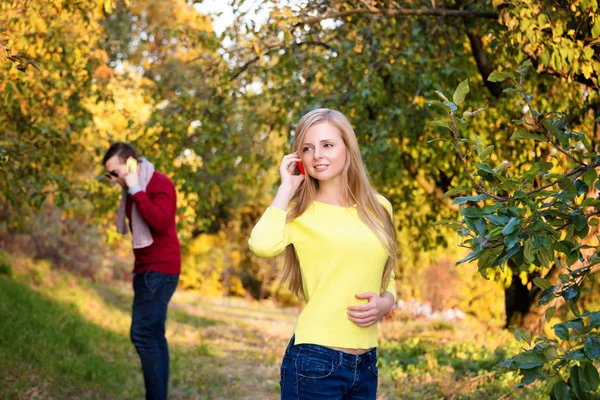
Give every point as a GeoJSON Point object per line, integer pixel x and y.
{"type": "Point", "coordinates": [510, 224]}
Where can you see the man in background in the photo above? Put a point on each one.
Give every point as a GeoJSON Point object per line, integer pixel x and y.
{"type": "Point", "coordinates": [149, 202]}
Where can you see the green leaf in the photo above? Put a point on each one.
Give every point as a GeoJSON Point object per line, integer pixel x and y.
{"type": "Point", "coordinates": [530, 376]}
{"type": "Point", "coordinates": [521, 134]}
{"type": "Point", "coordinates": [513, 224]}
{"type": "Point", "coordinates": [522, 334]}
{"type": "Point", "coordinates": [464, 199]}
{"type": "Point", "coordinates": [528, 360]}
{"type": "Point", "coordinates": [581, 187]}
{"type": "Point", "coordinates": [591, 347]}
{"type": "Point", "coordinates": [480, 226]}
{"type": "Point", "coordinates": [441, 95]}
{"type": "Point", "coordinates": [486, 168]}
{"type": "Point", "coordinates": [470, 256]}
{"type": "Point", "coordinates": [547, 295]}
{"type": "Point", "coordinates": [469, 114]}
{"type": "Point", "coordinates": [561, 391]}
{"type": "Point", "coordinates": [501, 76]}
{"type": "Point", "coordinates": [486, 152]}
{"type": "Point", "coordinates": [572, 292]}
{"type": "Point", "coordinates": [550, 352]}
{"type": "Point", "coordinates": [440, 123]}
{"type": "Point", "coordinates": [594, 319]}
{"type": "Point", "coordinates": [497, 220]}
{"type": "Point", "coordinates": [576, 324]}
{"type": "Point", "coordinates": [590, 374]}
{"type": "Point", "coordinates": [512, 240]}
{"type": "Point", "coordinates": [488, 257]}
{"type": "Point", "coordinates": [456, 190]}
{"type": "Point", "coordinates": [472, 212]}
{"type": "Point", "coordinates": [439, 104]}
{"type": "Point", "coordinates": [545, 256]}
{"type": "Point", "coordinates": [550, 313]}
{"type": "Point", "coordinates": [9, 92]}
{"type": "Point", "coordinates": [596, 28]}
{"type": "Point", "coordinates": [590, 176]}
{"type": "Point", "coordinates": [524, 66]}
{"type": "Point", "coordinates": [460, 93]}
{"type": "Point", "coordinates": [575, 382]}
{"type": "Point", "coordinates": [561, 331]}
{"type": "Point", "coordinates": [572, 304]}
{"type": "Point", "coordinates": [542, 283]}
{"type": "Point", "coordinates": [590, 202]}
{"type": "Point", "coordinates": [528, 252]}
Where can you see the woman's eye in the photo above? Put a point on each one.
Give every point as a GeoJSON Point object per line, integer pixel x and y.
{"type": "Point", "coordinates": [328, 145]}
{"type": "Point", "coordinates": [306, 149]}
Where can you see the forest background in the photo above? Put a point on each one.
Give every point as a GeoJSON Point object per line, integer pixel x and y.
{"type": "Point", "coordinates": [210, 92]}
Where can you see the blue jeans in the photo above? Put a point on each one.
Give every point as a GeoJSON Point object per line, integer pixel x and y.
{"type": "Point", "coordinates": [152, 293]}
{"type": "Point", "coordinates": [312, 372]}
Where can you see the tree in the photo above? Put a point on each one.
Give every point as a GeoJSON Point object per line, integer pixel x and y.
{"type": "Point", "coordinates": [47, 72]}
{"type": "Point", "coordinates": [376, 61]}
{"type": "Point", "coordinates": [535, 220]}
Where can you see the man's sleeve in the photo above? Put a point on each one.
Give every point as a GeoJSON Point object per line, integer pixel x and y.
{"type": "Point", "coordinates": [158, 206]}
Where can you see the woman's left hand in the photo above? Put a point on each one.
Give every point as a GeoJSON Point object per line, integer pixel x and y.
{"type": "Point", "coordinates": [368, 314]}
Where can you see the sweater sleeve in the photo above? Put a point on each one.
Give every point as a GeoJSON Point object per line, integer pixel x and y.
{"type": "Point", "coordinates": [271, 235]}
{"type": "Point", "coordinates": [391, 287]}
{"type": "Point", "coordinates": [158, 206]}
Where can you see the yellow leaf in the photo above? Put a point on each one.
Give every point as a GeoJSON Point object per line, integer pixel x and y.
{"type": "Point", "coordinates": [256, 49]}
{"type": "Point", "coordinates": [108, 6]}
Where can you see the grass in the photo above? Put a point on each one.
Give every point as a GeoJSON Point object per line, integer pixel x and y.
{"type": "Point", "coordinates": [66, 337]}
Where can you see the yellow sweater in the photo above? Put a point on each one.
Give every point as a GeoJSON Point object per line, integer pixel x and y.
{"type": "Point", "coordinates": [339, 257]}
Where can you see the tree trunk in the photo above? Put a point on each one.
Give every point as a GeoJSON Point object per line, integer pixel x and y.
{"type": "Point", "coordinates": [520, 302]}
{"type": "Point", "coordinates": [267, 278]}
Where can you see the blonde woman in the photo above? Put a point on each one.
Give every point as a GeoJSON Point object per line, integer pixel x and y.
{"type": "Point", "coordinates": [340, 250]}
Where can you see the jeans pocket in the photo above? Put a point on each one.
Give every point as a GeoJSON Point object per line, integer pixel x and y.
{"type": "Point", "coordinates": [374, 370]}
{"type": "Point", "coordinates": [154, 280]}
{"type": "Point", "coordinates": [169, 288]}
{"type": "Point", "coordinates": [312, 367]}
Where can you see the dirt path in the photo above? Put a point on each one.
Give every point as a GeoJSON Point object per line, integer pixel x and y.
{"type": "Point", "coordinates": [241, 342]}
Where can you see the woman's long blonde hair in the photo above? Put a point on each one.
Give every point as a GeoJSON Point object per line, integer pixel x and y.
{"type": "Point", "coordinates": [356, 190]}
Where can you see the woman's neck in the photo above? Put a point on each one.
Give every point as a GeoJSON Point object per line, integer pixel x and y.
{"type": "Point", "coordinates": [330, 192]}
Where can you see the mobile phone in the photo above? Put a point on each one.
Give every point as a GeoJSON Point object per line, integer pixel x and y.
{"type": "Point", "coordinates": [300, 167]}
{"type": "Point", "coordinates": [131, 165]}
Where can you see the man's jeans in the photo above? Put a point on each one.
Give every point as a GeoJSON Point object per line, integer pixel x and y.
{"type": "Point", "coordinates": [313, 372]}
{"type": "Point", "coordinates": [152, 293]}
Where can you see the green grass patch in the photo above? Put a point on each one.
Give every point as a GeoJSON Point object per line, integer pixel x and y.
{"type": "Point", "coordinates": [49, 347]}
{"type": "Point", "coordinates": [66, 337]}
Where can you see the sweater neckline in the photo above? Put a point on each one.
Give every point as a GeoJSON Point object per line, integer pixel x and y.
{"type": "Point", "coordinates": [333, 205]}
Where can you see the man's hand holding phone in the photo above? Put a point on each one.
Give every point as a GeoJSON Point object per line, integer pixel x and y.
{"type": "Point", "coordinates": [132, 178]}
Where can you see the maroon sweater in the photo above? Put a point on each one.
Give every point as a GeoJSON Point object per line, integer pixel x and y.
{"type": "Point", "coordinates": [157, 206]}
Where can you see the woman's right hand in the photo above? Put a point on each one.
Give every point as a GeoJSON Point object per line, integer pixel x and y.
{"type": "Point", "coordinates": [289, 182]}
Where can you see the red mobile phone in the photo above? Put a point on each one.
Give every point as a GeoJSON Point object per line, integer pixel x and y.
{"type": "Point", "coordinates": [300, 167]}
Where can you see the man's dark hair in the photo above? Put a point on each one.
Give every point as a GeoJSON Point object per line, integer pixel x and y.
{"type": "Point", "coordinates": [120, 149]}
